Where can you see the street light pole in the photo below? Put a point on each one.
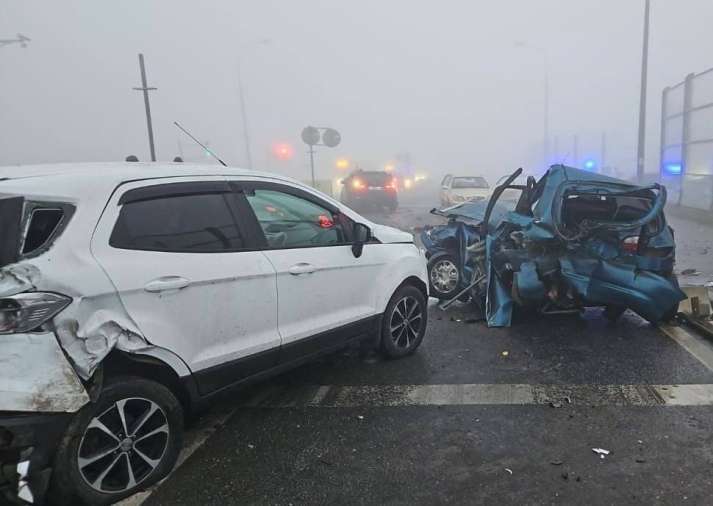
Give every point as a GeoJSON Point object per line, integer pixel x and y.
{"type": "Point", "coordinates": [243, 110]}
{"type": "Point", "coordinates": [641, 146]}
{"type": "Point", "coordinates": [145, 88]}
{"type": "Point", "coordinates": [244, 115]}
{"type": "Point", "coordinates": [546, 126]}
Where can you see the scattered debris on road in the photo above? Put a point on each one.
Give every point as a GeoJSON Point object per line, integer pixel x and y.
{"type": "Point", "coordinates": [601, 452]}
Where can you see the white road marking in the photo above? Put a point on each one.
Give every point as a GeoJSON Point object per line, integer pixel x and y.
{"type": "Point", "coordinates": [697, 346]}
{"type": "Point", "coordinates": [491, 394]}
{"type": "Point", "coordinates": [467, 395]}
{"type": "Point", "coordinates": [319, 395]}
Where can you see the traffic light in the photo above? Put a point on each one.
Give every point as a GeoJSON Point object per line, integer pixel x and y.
{"type": "Point", "coordinates": [590, 164]}
{"type": "Point", "coordinates": [283, 151]}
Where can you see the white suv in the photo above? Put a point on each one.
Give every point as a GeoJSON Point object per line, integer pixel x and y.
{"type": "Point", "coordinates": [130, 294]}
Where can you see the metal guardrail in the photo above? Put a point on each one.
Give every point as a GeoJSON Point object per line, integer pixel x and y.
{"type": "Point", "coordinates": [686, 149]}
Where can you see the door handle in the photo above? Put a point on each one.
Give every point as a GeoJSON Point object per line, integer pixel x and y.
{"type": "Point", "coordinates": [166, 283]}
{"type": "Point", "coordinates": [301, 268]}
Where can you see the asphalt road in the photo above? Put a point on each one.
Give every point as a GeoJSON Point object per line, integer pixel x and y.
{"type": "Point", "coordinates": [476, 416]}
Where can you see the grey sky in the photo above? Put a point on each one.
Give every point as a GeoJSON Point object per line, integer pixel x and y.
{"type": "Point", "coordinates": [443, 80]}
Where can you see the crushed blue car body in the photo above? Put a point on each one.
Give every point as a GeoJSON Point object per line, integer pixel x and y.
{"type": "Point", "coordinates": [570, 240]}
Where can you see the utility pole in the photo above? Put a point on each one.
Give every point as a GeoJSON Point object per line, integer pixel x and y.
{"type": "Point", "coordinates": [145, 88]}
{"type": "Point", "coordinates": [246, 133]}
{"type": "Point", "coordinates": [311, 165]}
{"type": "Point", "coordinates": [641, 147]}
{"type": "Point", "coordinates": [21, 39]}
{"type": "Point", "coordinates": [546, 141]}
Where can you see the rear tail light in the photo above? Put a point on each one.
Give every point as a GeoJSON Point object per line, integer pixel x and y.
{"type": "Point", "coordinates": [631, 245]}
{"type": "Point", "coordinates": [27, 311]}
{"type": "Point", "coordinates": [392, 185]}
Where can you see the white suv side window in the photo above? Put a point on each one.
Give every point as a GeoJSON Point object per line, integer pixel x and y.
{"type": "Point", "coordinates": [289, 221]}
{"type": "Point", "coordinates": [198, 223]}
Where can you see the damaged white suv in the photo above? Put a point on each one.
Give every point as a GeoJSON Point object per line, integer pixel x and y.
{"type": "Point", "coordinates": [130, 294]}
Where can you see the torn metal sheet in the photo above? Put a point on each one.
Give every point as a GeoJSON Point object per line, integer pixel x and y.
{"type": "Point", "coordinates": [18, 278]}
{"type": "Point", "coordinates": [35, 375]}
{"type": "Point", "coordinates": [574, 239]}
{"type": "Point", "coordinates": [87, 344]}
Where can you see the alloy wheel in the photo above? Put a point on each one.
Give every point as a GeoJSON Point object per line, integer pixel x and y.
{"type": "Point", "coordinates": [406, 322]}
{"type": "Point", "coordinates": [444, 276]}
{"type": "Point", "coordinates": [123, 445]}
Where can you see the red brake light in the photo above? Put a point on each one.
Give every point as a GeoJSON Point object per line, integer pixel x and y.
{"type": "Point", "coordinates": [392, 185]}
{"type": "Point", "coordinates": [325, 221]}
{"type": "Point", "coordinates": [631, 245]}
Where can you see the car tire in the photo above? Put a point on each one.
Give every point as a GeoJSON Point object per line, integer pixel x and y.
{"type": "Point", "coordinates": [443, 276]}
{"type": "Point", "coordinates": [154, 419]}
{"type": "Point", "coordinates": [404, 322]}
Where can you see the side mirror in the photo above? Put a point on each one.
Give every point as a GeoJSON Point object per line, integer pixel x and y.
{"type": "Point", "coordinates": [362, 234]}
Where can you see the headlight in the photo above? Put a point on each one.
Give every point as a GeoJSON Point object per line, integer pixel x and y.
{"type": "Point", "coordinates": [27, 311]}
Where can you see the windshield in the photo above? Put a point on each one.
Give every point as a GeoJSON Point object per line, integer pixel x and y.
{"type": "Point", "coordinates": [469, 182]}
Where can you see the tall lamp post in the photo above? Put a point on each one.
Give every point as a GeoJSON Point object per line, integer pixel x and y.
{"type": "Point", "coordinates": [243, 110]}
{"type": "Point", "coordinates": [641, 145]}
{"type": "Point", "coordinates": [546, 101]}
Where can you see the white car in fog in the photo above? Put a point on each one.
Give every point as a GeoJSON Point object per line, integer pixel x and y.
{"type": "Point", "coordinates": [133, 293]}
{"type": "Point", "coordinates": [458, 189]}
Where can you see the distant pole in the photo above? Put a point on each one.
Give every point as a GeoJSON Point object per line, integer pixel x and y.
{"type": "Point", "coordinates": [244, 115]}
{"type": "Point", "coordinates": [546, 140]}
{"type": "Point", "coordinates": [641, 148]}
{"type": "Point", "coordinates": [311, 164]}
{"type": "Point", "coordinates": [145, 88]}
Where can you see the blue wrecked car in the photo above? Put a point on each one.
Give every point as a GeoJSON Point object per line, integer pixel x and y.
{"type": "Point", "coordinates": [570, 240]}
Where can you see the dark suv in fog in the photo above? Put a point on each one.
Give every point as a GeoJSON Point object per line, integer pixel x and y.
{"type": "Point", "coordinates": [370, 189]}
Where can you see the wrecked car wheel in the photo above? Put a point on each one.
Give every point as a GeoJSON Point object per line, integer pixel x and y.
{"type": "Point", "coordinates": [126, 441]}
{"type": "Point", "coordinates": [443, 276]}
{"type": "Point", "coordinates": [404, 322]}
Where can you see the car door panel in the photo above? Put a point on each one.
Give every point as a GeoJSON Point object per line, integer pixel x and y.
{"type": "Point", "coordinates": [321, 286]}
{"type": "Point", "coordinates": [213, 309]}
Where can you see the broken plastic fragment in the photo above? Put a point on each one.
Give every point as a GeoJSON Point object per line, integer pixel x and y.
{"type": "Point", "coordinates": [601, 452]}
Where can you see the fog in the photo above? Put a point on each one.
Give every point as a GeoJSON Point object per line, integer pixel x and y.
{"type": "Point", "coordinates": [458, 85]}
